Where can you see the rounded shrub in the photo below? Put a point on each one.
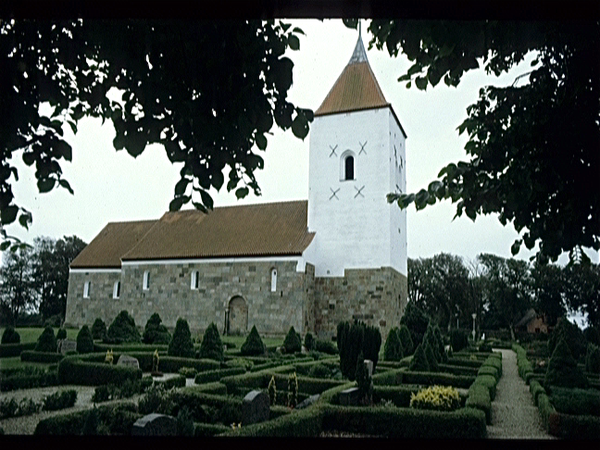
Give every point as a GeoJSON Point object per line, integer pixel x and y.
{"type": "Point", "coordinates": [181, 344]}
{"type": "Point", "coordinates": [99, 329]}
{"type": "Point", "coordinates": [437, 398]}
{"type": "Point", "coordinates": [47, 341]}
{"type": "Point", "coordinates": [253, 345]}
{"type": "Point", "coordinates": [123, 329]}
{"type": "Point", "coordinates": [292, 342]}
{"type": "Point", "coordinates": [392, 350]}
{"type": "Point", "coordinates": [85, 341]}
{"type": "Point", "coordinates": [155, 332]}
{"type": "Point", "coordinates": [212, 346]}
{"type": "Point", "coordinates": [10, 336]}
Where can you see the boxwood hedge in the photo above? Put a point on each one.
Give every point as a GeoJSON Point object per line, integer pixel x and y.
{"type": "Point", "coordinates": [72, 370]}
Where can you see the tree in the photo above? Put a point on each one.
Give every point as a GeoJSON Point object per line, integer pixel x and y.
{"type": "Point", "coordinates": [51, 260]}
{"type": "Point", "coordinates": [211, 346]}
{"type": "Point", "coordinates": [508, 289]}
{"type": "Point", "coordinates": [582, 289]}
{"type": "Point", "coordinates": [209, 92]}
{"type": "Point", "coordinates": [548, 290]}
{"type": "Point", "coordinates": [17, 293]}
{"type": "Point", "coordinates": [181, 343]}
{"type": "Point", "coordinates": [525, 162]}
{"type": "Point", "coordinates": [416, 321]}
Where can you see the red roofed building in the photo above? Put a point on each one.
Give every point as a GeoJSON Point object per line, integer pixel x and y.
{"type": "Point", "coordinates": [340, 255]}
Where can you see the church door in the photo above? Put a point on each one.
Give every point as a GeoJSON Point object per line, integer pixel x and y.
{"type": "Point", "coordinates": [238, 316]}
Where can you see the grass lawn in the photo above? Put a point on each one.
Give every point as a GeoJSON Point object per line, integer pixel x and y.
{"type": "Point", "coordinates": [32, 334]}
{"type": "Point", "coordinates": [11, 363]}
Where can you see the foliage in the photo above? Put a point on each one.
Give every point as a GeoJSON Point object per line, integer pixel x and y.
{"type": "Point", "coordinates": [592, 359]}
{"type": "Point", "coordinates": [188, 372]}
{"type": "Point", "coordinates": [292, 342]}
{"type": "Point", "coordinates": [85, 341]}
{"type": "Point", "coordinates": [548, 283]}
{"type": "Point", "coordinates": [438, 398]}
{"type": "Point", "coordinates": [563, 370]}
{"type": "Point", "coordinates": [211, 346]}
{"type": "Point", "coordinates": [392, 350]}
{"type": "Point", "coordinates": [416, 321]}
{"type": "Point", "coordinates": [440, 343]}
{"type": "Point", "coordinates": [72, 370]}
{"type": "Point", "coordinates": [324, 346]}
{"type": "Point", "coordinates": [521, 162]}
{"type": "Point", "coordinates": [292, 390]}
{"type": "Point", "coordinates": [405, 337]}
{"type": "Point", "coordinates": [431, 357]}
{"type": "Point", "coordinates": [309, 342]}
{"type": "Point", "coordinates": [371, 343]}
{"type": "Point", "coordinates": [61, 334]}
{"type": "Point", "coordinates": [99, 329]}
{"type": "Point", "coordinates": [459, 339]}
{"type": "Point", "coordinates": [253, 345]}
{"type": "Point", "coordinates": [181, 344]}
{"type": "Point", "coordinates": [572, 335]}
{"type": "Point", "coordinates": [155, 332]}
{"type": "Point", "coordinates": [175, 78]}
{"type": "Point", "coordinates": [47, 341]}
{"type": "Point", "coordinates": [582, 288]}
{"type": "Point", "coordinates": [17, 292]}
{"type": "Point", "coordinates": [419, 361]}
{"type": "Point", "coordinates": [12, 408]}
{"type": "Point", "coordinates": [157, 399]}
{"type": "Point", "coordinates": [272, 390]}
{"type": "Point", "coordinates": [123, 329]}
{"type": "Point", "coordinates": [185, 422]}
{"type": "Point", "coordinates": [576, 401]}
{"type": "Point", "coordinates": [60, 400]}
{"type": "Point", "coordinates": [10, 336]}
{"type": "Point", "coordinates": [91, 424]}
{"type": "Point", "coordinates": [592, 335]}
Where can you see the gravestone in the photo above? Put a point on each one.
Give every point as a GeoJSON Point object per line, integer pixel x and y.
{"type": "Point", "coordinates": [130, 361]}
{"type": "Point", "coordinates": [67, 345]}
{"type": "Point", "coordinates": [255, 407]}
{"type": "Point", "coordinates": [155, 425]}
{"type": "Point", "coordinates": [308, 401]}
{"type": "Point", "coordinates": [349, 397]}
{"type": "Point", "coordinates": [369, 366]}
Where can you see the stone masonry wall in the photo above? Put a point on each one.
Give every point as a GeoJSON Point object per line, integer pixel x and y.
{"type": "Point", "coordinates": [171, 296]}
{"type": "Point", "coordinates": [375, 296]}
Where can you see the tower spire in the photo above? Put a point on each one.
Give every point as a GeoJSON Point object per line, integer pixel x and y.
{"type": "Point", "coordinates": [359, 55]}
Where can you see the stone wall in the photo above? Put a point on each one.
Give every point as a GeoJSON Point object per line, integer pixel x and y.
{"type": "Point", "coordinates": [375, 296]}
{"type": "Point", "coordinates": [171, 296]}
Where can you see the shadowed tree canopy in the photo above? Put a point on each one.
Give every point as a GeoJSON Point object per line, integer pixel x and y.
{"type": "Point", "coordinates": [209, 91]}
{"type": "Point", "coordinates": [532, 150]}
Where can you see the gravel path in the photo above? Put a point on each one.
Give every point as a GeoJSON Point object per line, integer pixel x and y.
{"type": "Point", "coordinates": [514, 415]}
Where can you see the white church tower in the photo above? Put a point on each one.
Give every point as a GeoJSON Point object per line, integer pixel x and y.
{"type": "Point", "coordinates": [357, 156]}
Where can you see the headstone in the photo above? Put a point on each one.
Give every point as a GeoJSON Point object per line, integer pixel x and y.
{"type": "Point", "coordinates": [369, 365]}
{"type": "Point", "coordinates": [126, 360]}
{"type": "Point", "coordinates": [67, 345]}
{"type": "Point", "coordinates": [255, 407]}
{"type": "Point", "coordinates": [155, 425]}
{"type": "Point", "coordinates": [309, 401]}
{"type": "Point", "coordinates": [349, 397]}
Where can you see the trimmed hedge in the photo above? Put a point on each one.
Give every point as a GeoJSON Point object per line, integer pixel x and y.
{"type": "Point", "coordinates": [479, 397]}
{"type": "Point", "coordinates": [23, 379]}
{"type": "Point", "coordinates": [122, 348]}
{"type": "Point", "coordinates": [215, 375]}
{"type": "Point", "coordinates": [12, 350]}
{"type": "Point", "coordinates": [430, 379]}
{"type": "Point", "coordinates": [489, 382]}
{"type": "Point", "coordinates": [462, 361]}
{"type": "Point", "coordinates": [73, 370]}
{"type": "Point", "coordinates": [215, 388]}
{"type": "Point", "coordinates": [569, 426]}
{"type": "Point", "coordinates": [399, 395]}
{"type": "Point", "coordinates": [209, 429]}
{"type": "Point", "coordinates": [41, 357]}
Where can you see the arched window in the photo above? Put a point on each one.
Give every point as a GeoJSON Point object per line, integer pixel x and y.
{"type": "Point", "coordinates": [273, 280]}
{"type": "Point", "coordinates": [146, 281]}
{"type": "Point", "coordinates": [117, 289]}
{"type": "Point", "coordinates": [86, 289]}
{"type": "Point", "coordinates": [194, 281]}
{"type": "Point", "coordinates": [349, 168]}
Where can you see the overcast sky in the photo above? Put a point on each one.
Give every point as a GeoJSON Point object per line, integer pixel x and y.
{"type": "Point", "coordinates": [112, 186]}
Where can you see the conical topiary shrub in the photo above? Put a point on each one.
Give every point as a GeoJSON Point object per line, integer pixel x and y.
{"type": "Point", "coordinates": [99, 329]}
{"type": "Point", "coordinates": [309, 342]}
{"type": "Point", "coordinates": [10, 336]}
{"type": "Point", "coordinates": [572, 335]}
{"type": "Point", "coordinates": [563, 370]}
{"type": "Point", "coordinates": [181, 343]}
{"type": "Point", "coordinates": [430, 340]}
{"type": "Point", "coordinates": [155, 332]}
{"type": "Point", "coordinates": [392, 350]}
{"type": "Point", "coordinates": [431, 358]}
{"type": "Point", "coordinates": [123, 329]}
{"type": "Point", "coordinates": [212, 346]}
{"type": "Point", "coordinates": [419, 361]}
{"type": "Point", "coordinates": [47, 341]}
{"type": "Point", "coordinates": [440, 341]}
{"type": "Point", "coordinates": [592, 359]}
{"type": "Point", "coordinates": [85, 341]}
{"type": "Point", "coordinates": [61, 334]}
{"type": "Point", "coordinates": [407, 343]}
{"type": "Point", "coordinates": [292, 342]}
{"type": "Point", "coordinates": [253, 345]}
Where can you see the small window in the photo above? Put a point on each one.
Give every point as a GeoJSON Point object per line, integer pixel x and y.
{"type": "Point", "coordinates": [86, 289]}
{"type": "Point", "coordinates": [194, 283]}
{"type": "Point", "coordinates": [349, 168]}
{"type": "Point", "coordinates": [117, 289]}
{"type": "Point", "coordinates": [273, 280]}
{"type": "Point", "coordinates": [146, 280]}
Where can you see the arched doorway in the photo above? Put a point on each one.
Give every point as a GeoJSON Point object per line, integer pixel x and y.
{"type": "Point", "coordinates": [238, 316]}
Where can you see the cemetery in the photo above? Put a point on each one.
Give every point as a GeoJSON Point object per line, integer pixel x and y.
{"type": "Point", "coordinates": [408, 384]}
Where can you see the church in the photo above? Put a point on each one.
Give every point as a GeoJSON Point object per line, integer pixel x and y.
{"type": "Point", "coordinates": [340, 255]}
